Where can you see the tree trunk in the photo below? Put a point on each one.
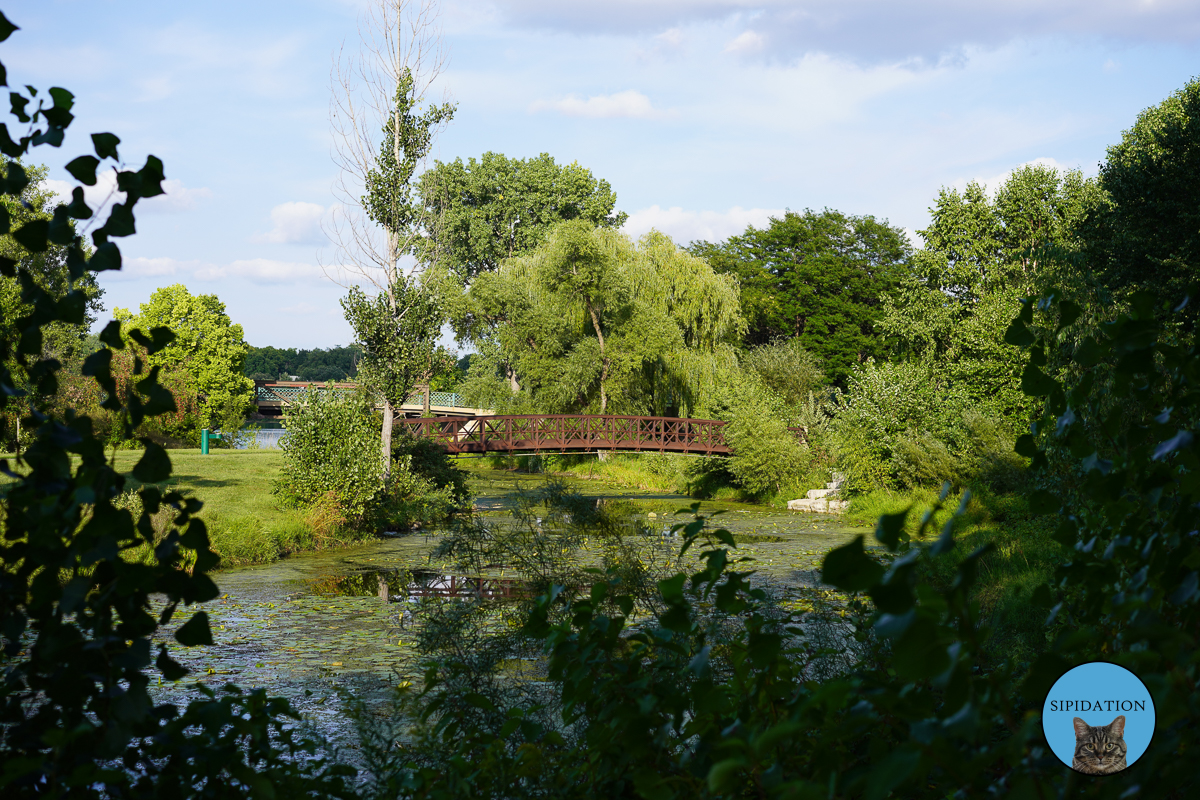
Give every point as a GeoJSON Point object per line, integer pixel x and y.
{"type": "Point", "coordinates": [603, 358]}
{"type": "Point", "coordinates": [512, 379]}
{"type": "Point", "coordinates": [387, 440]}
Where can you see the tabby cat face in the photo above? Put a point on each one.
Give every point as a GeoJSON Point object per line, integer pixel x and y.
{"type": "Point", "coordinates": [1099, 750]}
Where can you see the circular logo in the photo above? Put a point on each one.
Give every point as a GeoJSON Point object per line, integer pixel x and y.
{"type": "Point", "coordinates": [1098, 718]}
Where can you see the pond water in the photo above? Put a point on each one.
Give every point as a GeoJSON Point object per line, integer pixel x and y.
{"type": "Point", "coordinates": [311, 626]}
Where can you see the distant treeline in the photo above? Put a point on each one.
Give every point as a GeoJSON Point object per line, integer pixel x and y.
{"type": "Point", "coordinates": [273, 363]}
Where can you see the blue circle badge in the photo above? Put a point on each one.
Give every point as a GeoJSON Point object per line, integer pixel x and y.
{"type": "Point", "coordinates": [1098, 718]}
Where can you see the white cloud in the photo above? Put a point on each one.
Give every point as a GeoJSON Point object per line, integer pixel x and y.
{"type": "Point", "coordinates": [176, 197]}
{"type": "Point", "coordinates": [629, 103]}
{"type": "Point", "coordinates": [870, 30]}
{"type": "Point", "coordinates": [295, 223]}
{"type": "Point", "coordinates": [138, 268]}
{"type": "Point", "coordinates": [263, 271]}
{"type": "Point", "coordinates": [746, 43]}
{"type": "Point", "coordinates": [671, 37]}
{"type": "Point", "coordinates": [688, 226]}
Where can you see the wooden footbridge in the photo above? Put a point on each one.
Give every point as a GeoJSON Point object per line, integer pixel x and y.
{"type": "Point", "coordinates": [467, 430]}
{"type": "Point", "coordinates": [576, 433]}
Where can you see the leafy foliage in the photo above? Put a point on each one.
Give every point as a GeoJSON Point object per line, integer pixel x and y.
{"type": "Point", "coordinates": [718, 694]}
{"type": "Point", "coordinates": [319, 365]}
{"type": "Point", "coordinates": [1145, 236]}
{"type": "Point", "coordinates": [818, 277]}
{"type": "Point", "coordinates": [208, 348]}
{"type": "Point", "coordinates": [79, 616]}
{"type": "Point", "coordinates": [331, 447]}
{"type": "Point", "coordinates": [590, 321]}
{"type": "Point", "coordinates": [397, 333]}
{"type": "Point", "coordinates": [497, 207]}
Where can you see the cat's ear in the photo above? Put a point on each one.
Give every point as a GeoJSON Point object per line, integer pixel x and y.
{"type": "Point", "coordinates": [1117, 726]}
{"type": "Point", "coordinates": [1081, 728]}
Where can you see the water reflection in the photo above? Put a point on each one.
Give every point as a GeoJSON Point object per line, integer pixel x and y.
{"type": "Point", "coordinates": [412, 585]}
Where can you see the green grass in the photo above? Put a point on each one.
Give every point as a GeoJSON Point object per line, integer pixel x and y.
{"type": "Point", "coordinates": [1023, 556]}
{"type": "Point", "coordinates": [246, 523]}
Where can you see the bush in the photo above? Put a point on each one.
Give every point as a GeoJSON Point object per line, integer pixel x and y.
{"type": "Point", "coordinates": [332, 445]}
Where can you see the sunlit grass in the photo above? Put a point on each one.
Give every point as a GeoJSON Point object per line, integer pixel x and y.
{"type": "Point", "coordinates": [246, 522]}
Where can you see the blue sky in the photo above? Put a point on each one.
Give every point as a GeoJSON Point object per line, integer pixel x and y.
{"type": "Point", "coordinates": [705, 115]}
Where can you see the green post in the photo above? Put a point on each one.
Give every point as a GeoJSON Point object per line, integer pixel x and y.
{"type": "Point", "coordinates": [204, 441]}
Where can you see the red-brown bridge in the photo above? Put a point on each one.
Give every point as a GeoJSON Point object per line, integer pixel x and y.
{"type": "Point", "coordinates": [575, 433]}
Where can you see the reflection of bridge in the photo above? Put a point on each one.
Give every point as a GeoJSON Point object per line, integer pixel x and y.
{"type": "Point", "coordinates": [272, 397]}
{"type": "Point", "coordinates": [576, 433]}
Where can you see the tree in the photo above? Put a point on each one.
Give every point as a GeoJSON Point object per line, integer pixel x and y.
{"type": "Point", "coordinates": [208, 347]}
{"type": "Point", "coordinates": [591, 321]}
{"type": "Point", "coordinates": [498, 207]}
{"type": "Point", "coordinates": [818, 277]}
{"type": "Point", "coordinates": [1147, 233]}
{"type": "Point", "coordinates": [974, 245]}
{"type": "Point", "coordinates": [980, 256]}
{"type": "Point", "coordinates": [401, 55]}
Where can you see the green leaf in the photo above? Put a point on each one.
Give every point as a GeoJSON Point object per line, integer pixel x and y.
{"type": "Point", "coordinates": [890, 529]}
{"type": "Point", "coordinates": [106, 145]}
{"type": "Point", "coordinates": [6, 30]}
{"type": "Point", "coordinates": [154, 465]}
{"type": "Point", "coordinates": [83, 169]}
{"type": "Point", "coordinates": [78, 209]}
{"type": "Point", "coordinates": [171, 669]}
{"type": "Point", "coordinates": [1036, 383]}
{"type": "Point", "coordinates": [1026, 446]}
{"type": "Point", "coordinates": [1044, 502]}
{"type": "Point", "coordinates": [724, 775]}
{"type": "Point", "coordinates": [849, 568]}
{"type": "Point", "coordinates": [106, 257]}
{"type": "Point", "coordinates": [1068, 312]}
{"type": "Point", "coordinates": [151, 177]}
{"type": "Point", "coordinates": [919, 652]}
{"type": "Point", "coordinates": [1018, 334]}
{"type": "Point", "coordinates": [33, 235]}
{"type": "Point", "coordinates": [120, 221]}
{"type": "Point", "coordinates": [889, 773]}
{"type": "Point", "coordinates": [672, 588]}
{"type": "Point", "coordinates": [1179, 441]}
{"type": "Point", "coordinates": [195, 631]}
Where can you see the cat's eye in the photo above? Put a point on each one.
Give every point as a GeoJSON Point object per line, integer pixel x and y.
{"type": "Point", "coordinates": [1108, 747]}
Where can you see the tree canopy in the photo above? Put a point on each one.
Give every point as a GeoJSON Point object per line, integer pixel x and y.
{"type": "Point", "coordinates": [819, 277]}
{"type": "Point", "coordinates": [208, 347]}
{"type": "Point", "coordinates": [329, 364]}
{"type": "Point", "coordinates": [592, 322]}
{"type": "Point", "coordinates": [481, 212]}
{"type": "Point", "coordinates": [1147, 233]}
{"type": "Point", "coordinates": [980, 256]}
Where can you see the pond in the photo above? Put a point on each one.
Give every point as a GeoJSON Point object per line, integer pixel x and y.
{"type": "Point", "coordinates": [314, 625]}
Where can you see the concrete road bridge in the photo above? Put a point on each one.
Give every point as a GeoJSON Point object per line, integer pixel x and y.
{"type": "Point", "coordinates": [272, 397]}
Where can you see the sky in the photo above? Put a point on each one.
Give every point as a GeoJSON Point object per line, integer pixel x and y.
{"type": "Point", "coordinates": [706, 116]}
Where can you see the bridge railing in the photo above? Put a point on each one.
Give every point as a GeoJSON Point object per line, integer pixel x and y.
{"type": "Point", "coordinates": [573, 433]}
{"type": "Point", "coordinates": [288, 393]}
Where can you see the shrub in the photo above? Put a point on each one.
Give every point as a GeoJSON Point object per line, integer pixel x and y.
{"type": "Point", "coordinates": [332, 445]}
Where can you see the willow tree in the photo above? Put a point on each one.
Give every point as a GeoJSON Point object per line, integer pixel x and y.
{"type": "Point", "coordinates": [384, 129]}
{"type": "Point", "coordinates": [592, 321]}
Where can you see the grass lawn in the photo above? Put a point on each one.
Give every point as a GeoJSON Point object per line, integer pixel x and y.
{"type": "Point", "coordinates": [246, 523]}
